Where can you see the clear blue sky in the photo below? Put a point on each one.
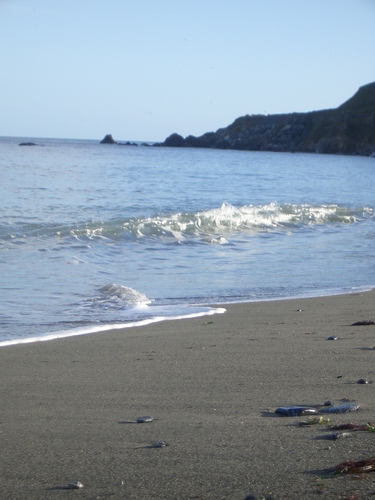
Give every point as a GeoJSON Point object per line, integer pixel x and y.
{"type": "Point", "coordinates": [143, 69]}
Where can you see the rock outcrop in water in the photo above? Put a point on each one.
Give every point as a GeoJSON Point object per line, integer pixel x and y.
{"type": "Point", "coordinates": [108, 139]}
{"type": "Point", "coordinates": [348, 129]}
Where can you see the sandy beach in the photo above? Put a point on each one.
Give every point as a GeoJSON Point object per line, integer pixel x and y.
{"type": "Point", "coordinates": [212, 384]}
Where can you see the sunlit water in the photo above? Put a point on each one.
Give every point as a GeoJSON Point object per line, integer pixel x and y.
{"type": "Point", "coordinates": [93, 234]}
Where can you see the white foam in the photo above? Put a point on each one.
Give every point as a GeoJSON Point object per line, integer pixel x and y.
{"type": "Point", "coordinates": [125, 294]}
{"type": "Point", "coordinates": [103, 328]}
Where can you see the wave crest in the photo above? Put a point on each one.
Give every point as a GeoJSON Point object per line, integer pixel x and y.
{"type": "Point", "coordinates": [213, 225]}
{"type": "Point", "coordinates": [125, 294]}
{"type": "Point", "coordinates": [248, 219]}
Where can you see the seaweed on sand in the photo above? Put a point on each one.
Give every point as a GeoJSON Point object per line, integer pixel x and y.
{"type": "Point", "coordinates": [353, 467]}
{"type": "Point", "coordinates": [370, 427]}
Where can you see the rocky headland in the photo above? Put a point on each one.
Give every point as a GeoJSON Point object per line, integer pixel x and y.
{"type": "Point", "coordinates": [348, 129]}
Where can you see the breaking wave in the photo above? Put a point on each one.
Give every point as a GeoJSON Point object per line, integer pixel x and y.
{"type": "Point", "coordinates": [212, 226]}
{"type": "Point", "coordinates": [124, 294]}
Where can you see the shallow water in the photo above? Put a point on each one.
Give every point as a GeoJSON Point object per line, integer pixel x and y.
{"type": "Point", "coordinates": [174, 230]}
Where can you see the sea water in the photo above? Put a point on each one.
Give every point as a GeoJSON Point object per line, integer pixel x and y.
{"type": "Point", "coordinates": [94, 236]}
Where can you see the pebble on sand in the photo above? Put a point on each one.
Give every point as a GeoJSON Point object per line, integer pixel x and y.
{"type": "Point", "coordinates": [147, 418]}
{"type": "Point", "coordinates": [296, 411]}
{"type": "Point", "coordinates": [258, 497]}
{"type": "Point", "coordinates": [75, 485]}
{"type": "Point", "coordinates": [341, 408]}
{"type": "Point", "coordinates": [363, 381]}
{"type": "Point", "coordinates": [339, 435]}
{"type": "Point", "coordinates": [160, 444]}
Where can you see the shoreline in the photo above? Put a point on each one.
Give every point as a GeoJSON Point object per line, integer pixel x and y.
{"type": "Point", "coordinates": [217, 308]}
{"type": "Point", "coordinates": [212, 385]}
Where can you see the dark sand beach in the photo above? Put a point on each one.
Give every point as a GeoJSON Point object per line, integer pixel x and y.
{"type": "Point", "coordinates": [212, 384]}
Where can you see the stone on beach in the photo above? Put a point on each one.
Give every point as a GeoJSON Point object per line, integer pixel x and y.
{"type": "Point", "coordinates": [160, 444]}
{"type": "Point", "coordinates": [344, 408]}
{"type": "Point", "coordinates": [147, 418]}
{"type": "Point", "coordinates": [75, 485]}
{"type": "Point", "coordinates": [296, 411]}
{"type": "Point", "coordinates": [363, 381]}
{"type": "Point", "coordinates": [339, 435]}
{"type": "Point", "coordinates": [258, 497]}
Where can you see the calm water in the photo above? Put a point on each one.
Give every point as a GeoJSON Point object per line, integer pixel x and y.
{"type": "Point", "coordinates": [93, 234]}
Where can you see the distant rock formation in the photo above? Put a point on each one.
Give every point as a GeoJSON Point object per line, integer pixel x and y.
{"type": "Point", "coordinates": [128, 143]}
{"type": "Point", "coordinates": [108, 139]}
{"type": "Point", "coordinates": [27, 144]}
{"type": "Point", "coordinates": [174, 141]}
{"type": "Point", "coordinates": [348, 129]}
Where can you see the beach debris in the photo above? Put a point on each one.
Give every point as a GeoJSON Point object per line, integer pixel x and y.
{"type": "Point", "coordinates": [142, 420]}
{"type": "Point", "coordinates": [75, 485]}
{"type": "Point", "coordinates": [296, 411]}
{"type": "Point", "coordinates": [332, 337]}
{"type": "Point", "coordinates": [353, 467]}
{"type": "Point", "coordinates": [327, 403]}
{"type": "Point", "coordinates": [363, 323]}
{"type": "Point", "coordinates": [344, 408]}
{"type": "Point", "coordinates": [363, 381]}
{"type": "Point", "coordinates": [314, 421]}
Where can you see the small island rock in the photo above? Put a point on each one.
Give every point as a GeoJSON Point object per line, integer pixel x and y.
{"type": "Point", "coordinates": [108, 139]}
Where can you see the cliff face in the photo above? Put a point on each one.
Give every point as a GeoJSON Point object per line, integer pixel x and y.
{"type": "Point", "coordinates": [348, 129]}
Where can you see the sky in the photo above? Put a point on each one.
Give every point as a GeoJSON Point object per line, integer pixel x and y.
{"type": "Point", "coordinates": [143, 69]}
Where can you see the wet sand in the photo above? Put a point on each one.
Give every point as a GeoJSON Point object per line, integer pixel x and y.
{"type": "Point", "coordinates": [212, 384]}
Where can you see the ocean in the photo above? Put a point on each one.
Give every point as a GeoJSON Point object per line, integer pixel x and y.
{"type": "Point", "coordinates": [96, 236]}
